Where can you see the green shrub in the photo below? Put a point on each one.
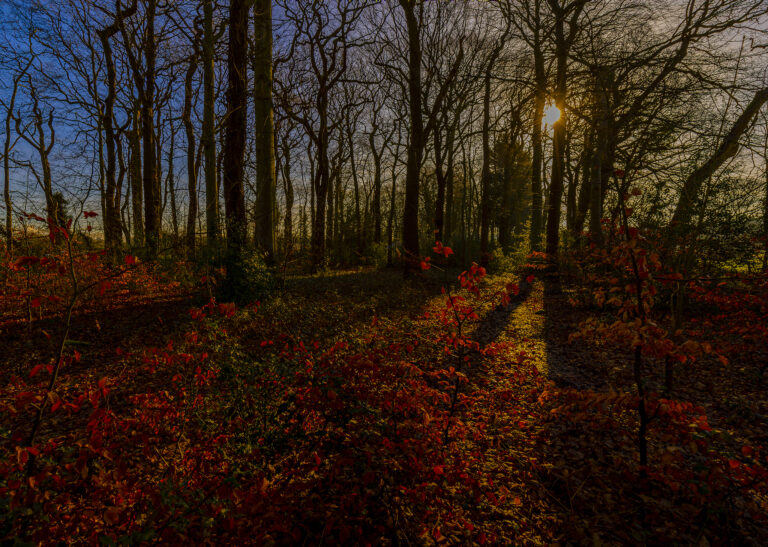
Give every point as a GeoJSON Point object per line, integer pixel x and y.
{"type": "Point", "coordinates": [248, 278]}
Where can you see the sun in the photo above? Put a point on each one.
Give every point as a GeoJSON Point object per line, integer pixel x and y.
{"type": "Point", "coordinates": [551, 114]}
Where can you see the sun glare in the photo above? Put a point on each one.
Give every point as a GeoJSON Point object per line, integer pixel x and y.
{"type": "Point", "coordinates": [551, 114]}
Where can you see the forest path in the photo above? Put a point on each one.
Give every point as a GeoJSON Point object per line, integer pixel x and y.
{"type": "Point", "coordinates": [538, 321]}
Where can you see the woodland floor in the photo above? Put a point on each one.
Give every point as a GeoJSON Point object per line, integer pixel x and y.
{"type": "Point", "coordinates": [554, 444]}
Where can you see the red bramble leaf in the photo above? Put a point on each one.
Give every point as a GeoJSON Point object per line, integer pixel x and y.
{"type": "Point", "coordinates": [441, 250]}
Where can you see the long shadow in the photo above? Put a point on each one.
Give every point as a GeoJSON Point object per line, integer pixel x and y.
{"type": "Point", "coordinates": [496, 321]}
{"type": "Point", "coordinates": [585, 462]}
{"type": "Point", "coordinates": [588, 448]}
{"type": "Point", "coordinates": [92, 332]}
{"type": "Point", "coordinates": [569, 365]}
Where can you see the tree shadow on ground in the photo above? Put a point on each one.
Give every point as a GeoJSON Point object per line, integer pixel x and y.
{"type": "Point", "coordinates": [588, 446]}
{"type": "Point", "coordinates": [496, 322]}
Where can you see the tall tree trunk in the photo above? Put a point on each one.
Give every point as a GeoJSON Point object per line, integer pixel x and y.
{"type": "Point", "coordinates": [111, 212]}
{"type": "Point", "coordinates": [558, 141]}
{"type": "Point", "coordinates": [726, 150]}
{"type": "Point", "coordinates": [586, 169]}
{"type": "Point", "coordinates": [289, 197]}
{"type": "Point", "coordinates": [376, 205]}
{"type": "Point", "coordinates": [449, 213]}
{"type": "Point", "coordinates": [171, 186]}
{"type": "Point", "coordinates": [43, 146]}
{"type": "Point", "coordinates": [209, 130]}
{"type": "Point", "coordinates": [331, 214]}
{"type": "Point", "coordinates": [377, 178]}
{"type": "Point", "coordinates": [234, 144]}
{"type": "Point", "coordinates": [356, 187]}
{"type": "Point", "coordinates": [323, 193]}
{"type": "Point", "coordinates": [264, 129]}
{"type": "Point", "coordinates": [485, 196]}
{"type": "Point", "coordinates": [537, 198]}
{"type": "Point", "coordinates": [189, 130]}
{"type": "Point", "coordinates": [564, 14]}
{"type": "Point", "coordinates": [151, 182]}
{"type": "Point", "coordinates": [7, 174]}
{"type": "Point", "coordinates": [416, 141]}
{"type": "Point", "coordinates": [137, 193]}
{"type": "Point", "coordinates": [598, 185]}
{"type": "Point", "coordinates": [7, 159]}
{"type": "Point", "coordinates": [392, 202]}
{"type": "Point", "coordinates": [441, 182]}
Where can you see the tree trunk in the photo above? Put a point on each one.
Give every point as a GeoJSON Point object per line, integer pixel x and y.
{"type": "Point", "coordinates": [416, 142]}
{"type": "Point", "coordinates": [485, 197]}
{"type": "Point", "coordinates": [234, 145]}
{"type": "Point", "coordinates": [264, 129]}
{"type": "Point", "coordinates": [356, 186]}
{"type": "Point", "coordinates": [726, 150]}
{"type": "Point", "coordinates": [137, 193]}
{"type": "Point", "coordinates": [43, 146]}
{"type": "Point", "coordinates": [151, 182]}
{"type": "Point", "coordinates": [448, 223]}
{"type": "Point", "coordinates": [7, 159]}
{"type": "Point", "coordinates": [321, 180]}
{"type": "Point", "coordinates": [392, 202]}
{"type": "Point", "coordinates": [441, 183]}
{"type": "Point", "coordinates": [289, 197]}
{"type": "Point", "coordinates": [376, 205]}
{"type": "Point", "coordinates": [537, 213]}
{"type": "Point", "coordinates": [558, 141]}
{"type": "Point", "coordinates": [598, 185]}
{"type": "Point", "coordinates": [209, 131]}
{"type": "Point", "coordinates": [112, 226]}
{"type": "Point", "coordinates": [586, 169]}
{"type": "Point", "coordinates": [171, 186]}
{"type": "Point", "coordinates": [189, 130]}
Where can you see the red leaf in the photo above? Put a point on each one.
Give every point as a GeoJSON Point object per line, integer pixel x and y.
{"type": "Point", "coordinates": [438, 469]}
{"type": "Point", "coordinates": [531, 278]}
{"type": "Point", "coordinates": [35, 370]}
{"type": "Point", "coordinates": [747, 451]}
{"type": "Point", "coordinates": [89, 214]}
{"type": "Point", "coordinates": [35, 303]}
{"type": "Point", "coordinates": [130, 260]}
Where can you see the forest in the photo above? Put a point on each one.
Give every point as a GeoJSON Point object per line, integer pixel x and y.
{"type": "Point", "coordinates": [384, 272]}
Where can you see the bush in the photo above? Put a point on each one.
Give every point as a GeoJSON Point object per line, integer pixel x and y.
{"type": "Point", "coordinates": [248, 278]}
